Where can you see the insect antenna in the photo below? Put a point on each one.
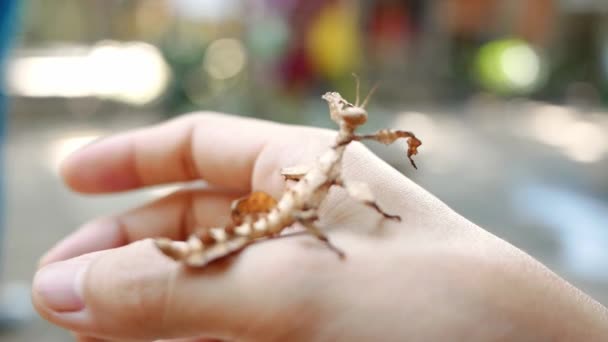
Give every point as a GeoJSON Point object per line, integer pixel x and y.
{"type": "Point", "coordinates": [358, 84]}
{"type": "Point", "coordinates": [369, 95]}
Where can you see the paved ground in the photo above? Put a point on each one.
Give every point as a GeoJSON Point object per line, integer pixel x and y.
{"type": "Point", "coordinates": [486, 165]}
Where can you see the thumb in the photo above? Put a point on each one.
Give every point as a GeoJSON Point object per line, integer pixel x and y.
{"type": "Point", "coordinates": [134, 292]}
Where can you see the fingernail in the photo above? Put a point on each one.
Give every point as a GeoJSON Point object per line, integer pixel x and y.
{"type": "Point", "coordinates": [59, 286]}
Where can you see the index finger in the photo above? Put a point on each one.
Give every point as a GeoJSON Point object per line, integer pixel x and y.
{"type": "Point", "coordinates": [220, 149]}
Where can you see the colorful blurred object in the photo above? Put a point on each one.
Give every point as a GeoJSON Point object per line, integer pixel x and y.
{"type": "Point", "coordinates": [333, 40]}
{"type": "Point", "coordinates": [510, 66]}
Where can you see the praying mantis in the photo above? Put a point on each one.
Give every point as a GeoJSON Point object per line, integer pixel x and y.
{"type": "Point", "coordinates": [259, 216]}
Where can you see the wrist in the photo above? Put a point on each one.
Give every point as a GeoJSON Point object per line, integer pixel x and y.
{"type": "Point", "coordinates": [540, 305]}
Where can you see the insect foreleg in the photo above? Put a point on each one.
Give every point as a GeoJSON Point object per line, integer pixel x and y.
{"type": "Point", "coordinates": [388, 136]}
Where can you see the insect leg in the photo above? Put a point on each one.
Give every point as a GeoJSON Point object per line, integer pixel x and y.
{"type": "Point", "coordinates": [307, 218]}
{"type": "Point", "coordinates": [314, 230]}
{"type": "Point", "coordinates": [296, 172]}
{"type": "Point", "coordinates": [310, 229]}
{"type": "Point", "coordinates": [361, 192]}
{"type": "Point", "coordinates": [386, 215]}
{"type": "Point", "coordinates": [306, 215]}
{"type": "Point", "coordinates": [388, 136]}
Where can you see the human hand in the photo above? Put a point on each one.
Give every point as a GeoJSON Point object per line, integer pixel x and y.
{"type": "Point", "coordinates": [433, 276]}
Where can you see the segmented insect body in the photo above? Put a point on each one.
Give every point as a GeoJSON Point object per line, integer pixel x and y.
{"type": "Point", "coordinates": [259, 216]}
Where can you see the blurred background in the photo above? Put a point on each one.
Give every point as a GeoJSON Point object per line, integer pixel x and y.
{"type": "Point", "coordinates": [509, 97]}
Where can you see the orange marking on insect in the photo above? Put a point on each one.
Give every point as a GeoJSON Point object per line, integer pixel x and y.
{"type": "Point", "coordinates": [249, 208]}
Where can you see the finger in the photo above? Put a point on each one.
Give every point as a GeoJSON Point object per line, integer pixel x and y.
{"type": "Point", "coordinates": [218, 148]}
{"type": "Point", "coordinates": [230, 152]}
{"type": "Point", "coordinates": [173, 216]}
{"type": "Point", "coordinates": [190, 339]}
{"type": "Point", "coordinates": [83, 338]}
{"type": "Point", "coordinates": [134, 292]}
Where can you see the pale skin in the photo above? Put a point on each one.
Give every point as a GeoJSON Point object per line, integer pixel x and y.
{"type": "Point", "coordinates": [434, 276]}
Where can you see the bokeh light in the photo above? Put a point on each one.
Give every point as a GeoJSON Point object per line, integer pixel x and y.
{"type": "Point", "coordinates": [224, 58]}
{"type": "Point", "coordinates": [134, 73]}
{"type": "Point", "coordinates": [509, 66]}
{"type": "Point", "coordinates": [581, 139]}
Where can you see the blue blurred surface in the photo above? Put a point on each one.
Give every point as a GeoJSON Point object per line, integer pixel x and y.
{"type": "Point", "coordinates": [8, 20]}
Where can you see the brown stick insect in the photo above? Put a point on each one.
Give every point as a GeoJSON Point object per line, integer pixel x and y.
{"type": "Point", "coordinates": [259, 217]}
